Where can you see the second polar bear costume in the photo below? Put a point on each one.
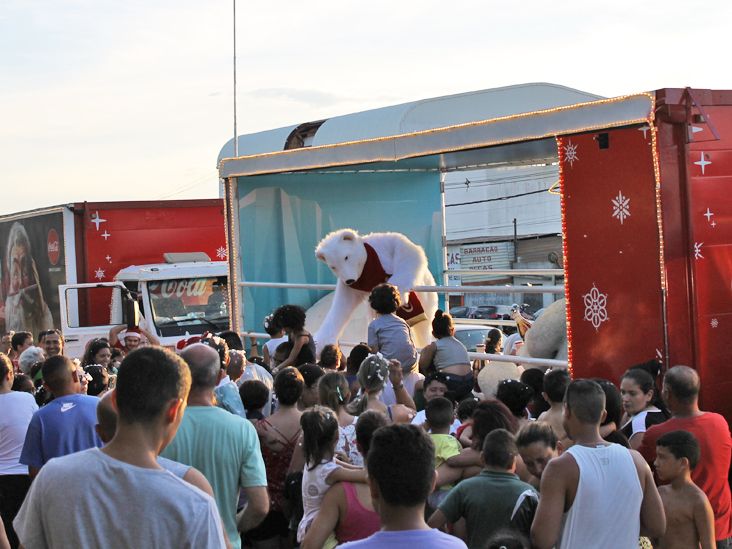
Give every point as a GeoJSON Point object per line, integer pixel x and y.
{"type": "Point", "coordinates": [362, 262]}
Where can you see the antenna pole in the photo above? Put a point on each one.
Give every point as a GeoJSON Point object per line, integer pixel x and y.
{"type": "Point", "coordinates": [236, 135]}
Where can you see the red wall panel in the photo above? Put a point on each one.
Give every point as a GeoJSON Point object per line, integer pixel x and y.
{"type": "Point", "coordinates": [612, 246]}
{"type": "Point", "coordinates": [709, 169]}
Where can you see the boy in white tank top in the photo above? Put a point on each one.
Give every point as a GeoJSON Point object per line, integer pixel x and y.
{"type": "Point", "coordinates": [596, 494]}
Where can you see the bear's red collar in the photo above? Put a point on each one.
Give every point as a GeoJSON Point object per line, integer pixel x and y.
{"type": "Point", "coordinates": [373, 274]}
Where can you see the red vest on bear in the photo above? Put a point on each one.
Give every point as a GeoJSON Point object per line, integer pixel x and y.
{"type": "Point", "coordinates": [374, 274]}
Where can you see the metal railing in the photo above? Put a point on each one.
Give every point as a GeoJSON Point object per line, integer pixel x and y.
{"type": "Point", "coordinates": [515, 359]}
{"type": "Point", "coordinates": [503, 289]}
{"type": "Point", "coordinates": [549, 273]}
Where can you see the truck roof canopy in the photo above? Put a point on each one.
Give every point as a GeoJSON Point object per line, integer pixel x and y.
{"type": "Point", "coordinates": [448, 132]}
{"type": "Point", "coordinates": [166, 271]}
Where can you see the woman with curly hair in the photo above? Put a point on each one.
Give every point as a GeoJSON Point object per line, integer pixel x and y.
{"type": "Point", "coordinates": [98, 352]}
{"type": "Point", "coordinates": [291, 318]}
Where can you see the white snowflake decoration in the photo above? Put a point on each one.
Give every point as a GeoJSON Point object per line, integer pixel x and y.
{"type": "Point", "coordinates": [621, 207]}
{"type": "Point", "coordinates": [99, 273]}
{"type": "Point", "coordinates": [697, 250]}
{"type": "Point", "coordinates": [714, 323]}
{"type": "Point", "coordinates": [595, 307]}
{"type": "Point", "coordinates": [221, 252]}
{"type": "Point", "coordinates": [570, 153]}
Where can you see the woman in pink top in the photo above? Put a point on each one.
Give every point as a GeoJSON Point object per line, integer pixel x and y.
{"type": "Point", "coordinates": [346, 513]}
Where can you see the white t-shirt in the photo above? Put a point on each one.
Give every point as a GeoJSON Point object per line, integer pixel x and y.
{"type": "Point", "coordinates": [410, 381]}
{"type": "Point", "coordinates": [16, 410]}
{"type": "Point", "coordinates": [272, 345]}
{"type": "Point", "coordinates": [510, 342]}
{"type": "Point", "coordinates": [421, 417]}
{"type": "Point", "coordinates": [89, 499]}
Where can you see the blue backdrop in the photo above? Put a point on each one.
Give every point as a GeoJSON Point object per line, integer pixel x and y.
{"type": "Point", "coordinates": [282, 218]}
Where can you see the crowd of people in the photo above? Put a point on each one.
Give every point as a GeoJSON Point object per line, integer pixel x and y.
{"type": "Point", "coordinates": [134, 445]}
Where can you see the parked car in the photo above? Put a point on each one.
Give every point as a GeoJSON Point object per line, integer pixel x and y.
{"type": "Point", "coordinates": [471, 335]}
{"type": "Point", "coordinates": [493, 312]}
{"type": "Point", "coordinates": [463, 312]}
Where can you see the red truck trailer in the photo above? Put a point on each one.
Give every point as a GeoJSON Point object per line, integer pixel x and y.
{"type": "Point", "coordinates": [89, 243]}
{"type": "Point", "coordinates": [646, 213]}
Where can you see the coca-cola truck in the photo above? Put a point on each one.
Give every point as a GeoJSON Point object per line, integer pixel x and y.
{"type": "Point", "coordinates": [79, 266]}
{"type": "Point", "coordinates": [645, 184]}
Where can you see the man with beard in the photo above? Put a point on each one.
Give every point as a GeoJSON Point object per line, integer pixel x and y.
{"type": "Point", "coordinates": [25, 308]}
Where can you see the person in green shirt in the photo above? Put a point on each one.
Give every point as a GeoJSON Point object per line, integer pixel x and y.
{"type": "Point", "coordinates": [223, 446]}
{"type": "Point", "coordinates": [495, 499]}
{"type": "Point", "coordinates": [440, 413]}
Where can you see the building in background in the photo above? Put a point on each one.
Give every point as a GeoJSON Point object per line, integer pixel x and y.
{"type": "Point", "coordinates": [503, 218]}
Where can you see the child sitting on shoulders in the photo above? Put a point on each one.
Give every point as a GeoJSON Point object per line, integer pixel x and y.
{"type": "Point", "coordinates": [320, 436]}
{"type": "Point", "coordinates": [389, 335]}
{"type": "Point", "coordinates": [440, 414]}
{"type": "Point", "coordinates": [689, 516]}
{"type": "Point", "coordinates": [291, 318]}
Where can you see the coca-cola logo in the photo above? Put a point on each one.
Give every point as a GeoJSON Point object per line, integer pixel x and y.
{"type": "Point", "coordinates": [53, 247]}
{"type": "Point", "coordinates": [193, 287]}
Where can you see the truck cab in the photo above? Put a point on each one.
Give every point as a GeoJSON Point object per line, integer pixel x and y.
{"type": "Point", "coordinates": [183, 297]}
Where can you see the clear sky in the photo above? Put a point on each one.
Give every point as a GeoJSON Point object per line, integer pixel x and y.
{"type": "Point", "coordinates": [132, 100]}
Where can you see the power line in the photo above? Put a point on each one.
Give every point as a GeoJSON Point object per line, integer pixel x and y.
{"type": "Point", "coordinates": [475, 183]}
{"type": "Point", "coordinates": [497, 199]}
{"type": "Point", "coordinates": [198, 181]}
{"type": "Point", "coordinates": [494, 227]}
{"type": "Point", "coordinates": [485, 175]}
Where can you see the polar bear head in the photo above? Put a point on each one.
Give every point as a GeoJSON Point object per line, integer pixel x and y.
{"type": "Point", "coordinates": [344, 253]}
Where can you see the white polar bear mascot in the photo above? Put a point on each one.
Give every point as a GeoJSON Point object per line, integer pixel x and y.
{"type": "Point", "coordinates": [362, 262]}
{"type": "Point", "coordinates": [547, 337]}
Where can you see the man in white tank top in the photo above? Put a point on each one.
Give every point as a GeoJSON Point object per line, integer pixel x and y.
{"type": "Point", "coordinates": [596, 494]}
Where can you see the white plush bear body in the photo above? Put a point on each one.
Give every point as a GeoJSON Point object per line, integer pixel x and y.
{"type": "Point", "coordinates": [345, 253]}
{"type": "Point", "coordinates": [547, 337]}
